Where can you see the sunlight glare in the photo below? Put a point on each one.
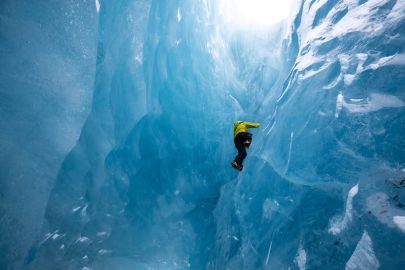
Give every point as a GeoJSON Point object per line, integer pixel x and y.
{"type": "Point", "coordinates": [255, 12]}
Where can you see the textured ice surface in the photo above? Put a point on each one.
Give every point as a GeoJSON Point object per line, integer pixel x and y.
{"type": "Point", "coordinates": [116, 136]}
{"type": "Point", "coordinates": [341, 223]}
{"type": "Point", "coordinates": [400, 222]}
{"type": "Point", "coordinates": [47, 67]}
{"type": "Point", "coordinates": [363, 256]}
{"type": "Point", "coordinates": [301, 258]}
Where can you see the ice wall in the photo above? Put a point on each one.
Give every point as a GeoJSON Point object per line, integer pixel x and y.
{"type": "Point", "coordinates": [324, 185]}
{"type": "Point", "coordinates": [139, 176]}
{"type": "Point", "coordinates": [47, 67]}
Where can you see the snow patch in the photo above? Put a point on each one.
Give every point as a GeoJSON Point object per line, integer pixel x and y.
{"type": "Point", "coordinates": [139, 58]}
{"type": "Point", "coordinates": [339, 224]}
{"type": "Point", "coordinates": [398, 59]}
{"type": "Point", "coordinates": [339, 104]}
{"type": "Point", "coordinates": [374, 102]}
{"type": "Point", "coordinates": [98, 6]}
{"type": "Point", "coordinates": [301, 258]}
{"type": "Point", "coordinates": [348, 79]}
{"type": "Point", "coordinates": [83, 213]}
{"type": "Point", "coordinates": [48, 236]}
{"type": "Point", "coordinates": [101, 234]}
{"type": "Point", "coordinates": [269, 207]}
{"type": "Point", "coordinates": [104, 251]}
{"type": "Point", "coordinates": [363, 257]}
{"type": "Point", "coordinates": [83, 239]}
{"type": "Point", "coordinates": [399, 221]}
{"type": "Point", "coordinates": [55, 236]}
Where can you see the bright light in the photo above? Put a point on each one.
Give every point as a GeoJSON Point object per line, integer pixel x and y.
{"type": "Point", "coordinates": [247, 13]}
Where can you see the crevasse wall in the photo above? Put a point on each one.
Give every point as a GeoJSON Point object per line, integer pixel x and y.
{"type": "Point", "coordinates": [332, 148]}
{"type": "Point", "coordinates": [140, 176]}
{"type": "Point", "coordinates": [47, 56]}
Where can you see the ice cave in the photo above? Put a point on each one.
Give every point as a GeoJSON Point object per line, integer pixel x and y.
{"type": "Point", "coordinates": [116, 134]}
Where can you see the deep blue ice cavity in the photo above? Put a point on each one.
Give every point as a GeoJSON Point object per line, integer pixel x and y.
{"type": "Point", "coordinates": [116, 136]}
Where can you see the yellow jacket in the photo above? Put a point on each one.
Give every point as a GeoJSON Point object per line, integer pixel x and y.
{"type": "Point", "coordinates": [240, 126]}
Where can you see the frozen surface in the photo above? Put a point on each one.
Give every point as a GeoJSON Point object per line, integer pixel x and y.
{"type": "Point", "coordinates": [47, 67]}
{"type": "Point", "coordinates": [341, 223]}
{"type": "Point", "coordinates": [363, 256]}
{"type": "Point", "coordinates": [116, 136]}
{"type": "Point", "coordinates": [400, 222]}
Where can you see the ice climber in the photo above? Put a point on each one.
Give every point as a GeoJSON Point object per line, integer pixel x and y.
{"type": "Point", "coordinates": [242, 139]}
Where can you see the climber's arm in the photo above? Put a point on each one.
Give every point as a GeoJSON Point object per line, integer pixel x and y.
{"type": "Point", "coordinates": [251, 125]}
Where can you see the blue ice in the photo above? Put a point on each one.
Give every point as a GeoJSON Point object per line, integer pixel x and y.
{"type": "Point", "coordinates": [116, 135]}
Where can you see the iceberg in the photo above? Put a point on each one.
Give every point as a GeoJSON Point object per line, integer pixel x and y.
{"type": "Point", "coordinates": [117, 127]}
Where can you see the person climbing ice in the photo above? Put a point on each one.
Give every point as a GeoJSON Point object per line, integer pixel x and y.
{"type": "Point", "coordinates": [242, 139]}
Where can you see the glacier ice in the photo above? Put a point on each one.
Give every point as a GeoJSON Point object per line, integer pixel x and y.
{"type": "Point", "coordinates": [363, 256]}
{"type": "Point", "coordinates": [47, 53]}
{"type": "Point", "coordinates": [400, 222]}
{"type": "Point", "coordinates": [339, 224]}
{"type": "Point", "coordinates": [116, 136]}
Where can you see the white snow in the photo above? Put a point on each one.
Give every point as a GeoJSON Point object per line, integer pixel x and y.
{"type": "Point", "coordinates": [363, 257]}
{"type": "Point", "coordinates": [374, 102]}
{"type": "Point", "coordinates": [83, 213]}
{"type": "Point", "coordinates": [178, 15]}
{"type": "Point", "coordinates": [339, 104]}
{"type": "Point", "coordinates": [349, 79]}
{"type": "Point", "coordinates": [139, 57]}
{"type": "Point", "coordinates": [397, 12]}
{"type": "Point", "coordinates": [399, 221]}
{"type": "Point", "coordinates": [362, 56]}
{"type": "Point", "coordinates": [339, 224]}
{"type": "Point", "coordinates": [359, 18]}
{"type": "Point", "coordinates": [55, 236]}
{"type": "Point", "coordinates": [301, 258]}
{"type": "Point", "coordinates": [344, 60]}
{"type": "Point", "coordinates": [98, 6]}
{"type": "Point", "coordinates": [396, 59]}
{"type": "Point", "coordinates": [289, 152]}
{"type": "Point", "coordinates": [99, 234]}
{"type": "Point", "coordinates": [83, 239]}
{"type": "Point", "coordinates": [104, 251]}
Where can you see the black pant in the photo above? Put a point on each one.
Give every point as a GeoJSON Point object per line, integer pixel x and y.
{"type": "Point", "coordinates": [239, 139]}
